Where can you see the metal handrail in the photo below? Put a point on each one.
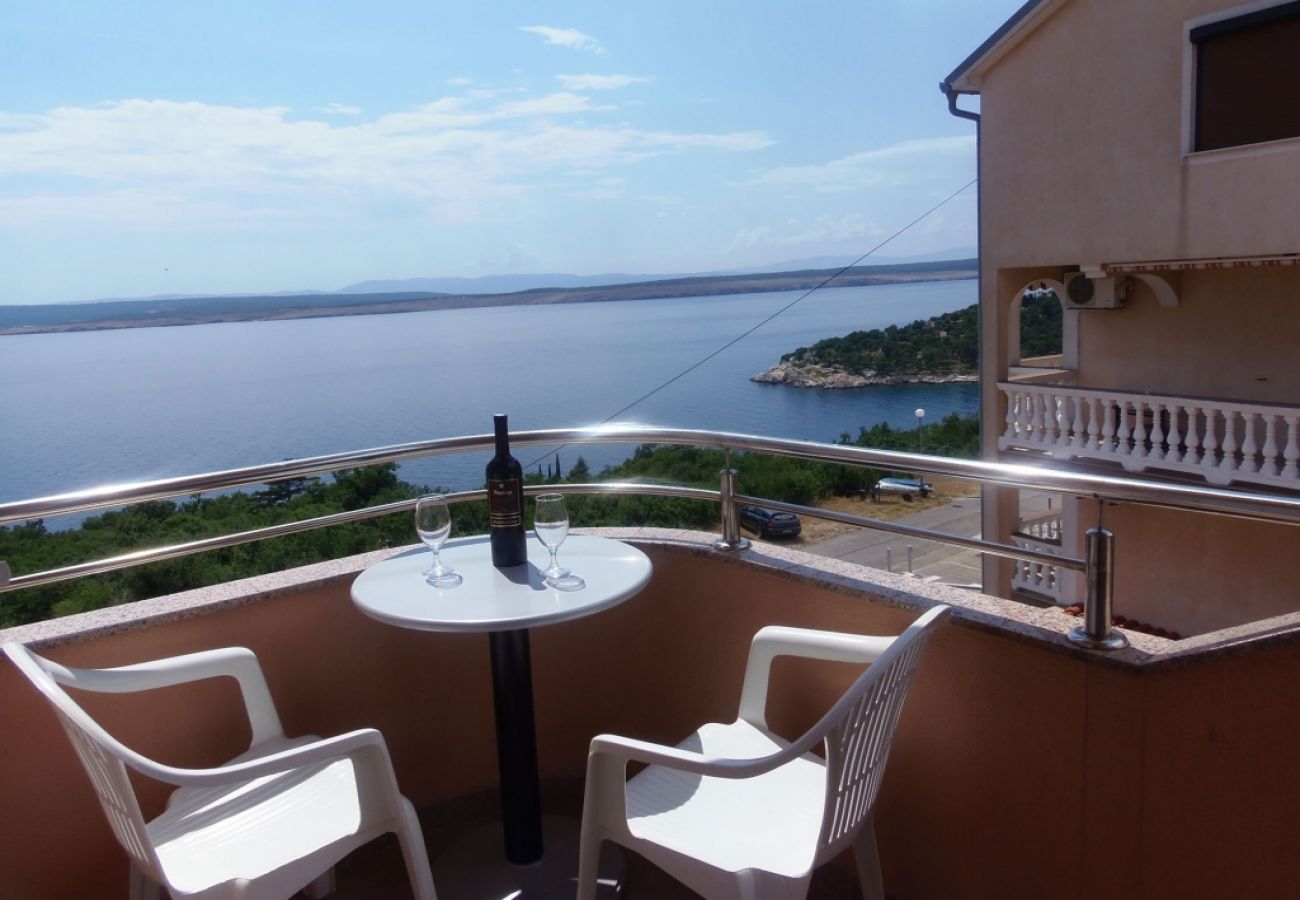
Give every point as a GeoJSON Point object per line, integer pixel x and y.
{"type": "Point", "coordinates": [1097, 566]}
{"type": "Point", "coordinates": [1149, 492]}
{"type": "Point", "coordinates": [993, 548]}
{"type": "Point", "coordinates": [203, 545]}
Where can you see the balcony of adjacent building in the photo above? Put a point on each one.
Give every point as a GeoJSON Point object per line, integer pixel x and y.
{"type": "Point", "coordinates": [1176, 369]}
{"type": "Point", "coordinates": [1022, 757]}
{"type": "Point", "coordinates": [1214, 441]}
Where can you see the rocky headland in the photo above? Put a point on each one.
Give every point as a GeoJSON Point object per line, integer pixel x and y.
{"type": "Point", "coordinates": [820, 376]}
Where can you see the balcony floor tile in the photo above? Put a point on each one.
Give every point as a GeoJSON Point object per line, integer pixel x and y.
{"type": "Point", "coordinates": [376, 870]}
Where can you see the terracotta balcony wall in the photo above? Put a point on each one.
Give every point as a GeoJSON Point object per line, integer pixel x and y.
{"type": "Point", "coordinates": [1023, 767]}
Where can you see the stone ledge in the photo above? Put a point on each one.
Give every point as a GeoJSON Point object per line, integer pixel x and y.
{"type": "Point", "coordinates": [1046, 628]}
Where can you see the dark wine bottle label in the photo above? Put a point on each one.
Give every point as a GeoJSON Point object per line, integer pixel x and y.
{"type": "Point", "coordinates": [505, 502]}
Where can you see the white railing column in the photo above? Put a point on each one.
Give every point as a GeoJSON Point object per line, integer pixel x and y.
{"type": "Point", "coordinates": [1270, 466]}
{"type": "Point", "coordinates": [1229, 445]}
{"type": "Point", "coordinates": [1094, 425]}
{"type": "Point", "coordinates": [1249, 462]}
{"type": "Point", "coordinates": [1292, 452]}
{"type": "Point", "coordinates": [1174, 438]}
{"type": "Point", "coordinates": [1210, 441]}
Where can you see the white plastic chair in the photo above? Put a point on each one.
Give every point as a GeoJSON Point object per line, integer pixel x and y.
{"type": "Point", "coordinates": [737, 813]}
{"type": "Point", "coordinates": [272, 821]}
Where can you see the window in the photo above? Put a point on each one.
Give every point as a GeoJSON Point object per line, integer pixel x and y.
{"type": "Point", "coordinates": [1248, 78]}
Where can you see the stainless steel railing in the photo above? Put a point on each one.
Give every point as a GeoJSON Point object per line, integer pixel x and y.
{"type": "Point", "coordinates": [1108, 488]}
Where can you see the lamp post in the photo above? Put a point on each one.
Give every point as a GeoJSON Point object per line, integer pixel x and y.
{"type": "Point", "coordinates": [920, 417]}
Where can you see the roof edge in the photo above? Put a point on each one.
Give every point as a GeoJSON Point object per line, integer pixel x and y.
{"type": "Point", "coordinates": [965, 79]}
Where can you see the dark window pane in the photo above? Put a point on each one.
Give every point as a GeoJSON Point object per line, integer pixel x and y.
{"type": "Point", "coordinates": [1248, 83]}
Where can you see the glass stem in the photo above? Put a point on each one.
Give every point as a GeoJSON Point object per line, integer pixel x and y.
{"type": "Point", "coordinates": [554, 565]}
{"type": "Point", "coordinates": [437, 562]}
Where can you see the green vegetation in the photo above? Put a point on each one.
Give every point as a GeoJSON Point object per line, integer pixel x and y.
{"type": "Point", "coordinates": [31, 548]}
{"type": "Point", "coordinates": [946, 344]}
{"type": "Point", "coordinates": [1040, 324]}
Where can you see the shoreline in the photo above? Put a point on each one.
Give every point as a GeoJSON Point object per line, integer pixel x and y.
{"type": "Point", "coordinates": [959, 270]}
{"type": "Point", "coordinates": [834, 378]}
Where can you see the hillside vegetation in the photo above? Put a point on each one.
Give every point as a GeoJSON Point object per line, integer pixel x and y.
{"type": "Point", "coordinates": [942, 345]}
{"type": "Point", "coordinates": [31, 548]}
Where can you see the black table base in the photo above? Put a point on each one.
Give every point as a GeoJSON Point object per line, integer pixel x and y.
{"type": "Point", "coordinates": [512, 693]}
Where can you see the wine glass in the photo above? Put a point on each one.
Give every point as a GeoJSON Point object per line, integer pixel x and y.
{"type": "Point", "coordinates": [551, 524]}
{"type": "Point", "coordinates": [433, 525]}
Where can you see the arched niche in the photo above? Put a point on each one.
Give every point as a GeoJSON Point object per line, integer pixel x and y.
{"type": "Point", "coordinates": [1069, 323]}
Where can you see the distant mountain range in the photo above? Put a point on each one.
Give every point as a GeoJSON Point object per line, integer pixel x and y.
{"type": "Point", "coordinates": [159, 311]}
{"type": "Point", "coordinates": [505, 284]}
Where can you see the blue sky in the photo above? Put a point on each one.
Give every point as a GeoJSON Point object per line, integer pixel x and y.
{"type": "Point", "coordinates": [218, 147]}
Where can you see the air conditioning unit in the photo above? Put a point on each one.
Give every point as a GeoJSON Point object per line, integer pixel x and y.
{"type": "Point", "coordinates": [1082, 292]}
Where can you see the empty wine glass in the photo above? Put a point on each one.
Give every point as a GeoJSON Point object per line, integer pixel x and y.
{"type": "Point", "coordinates": [433, 525]}
{"type": "Point", "coordinates": [551, 525]}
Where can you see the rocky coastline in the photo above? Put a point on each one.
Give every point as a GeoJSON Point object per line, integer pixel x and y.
{"type": "Point", "coordinates": [816, 376]}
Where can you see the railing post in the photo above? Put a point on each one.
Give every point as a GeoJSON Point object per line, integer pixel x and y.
{"type": "Point", "coordinates": [5, 573]}
{"type": "Point", "coordinates": [731, 538]}
{"type": "Point", "coordinates": [1096, 633]}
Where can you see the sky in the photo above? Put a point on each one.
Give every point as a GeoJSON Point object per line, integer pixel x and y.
{"type": "Point", "coordinates": [243, 146]}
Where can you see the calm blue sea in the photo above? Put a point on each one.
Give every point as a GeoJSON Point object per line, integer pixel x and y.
{"type": "Point", "coordinates": [86, 409]}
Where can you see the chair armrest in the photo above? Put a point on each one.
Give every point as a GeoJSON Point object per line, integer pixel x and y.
{"type": "Point", "coordinates": [776, 640]}
{"type": "Point", "coordinates": [629, 750]}
{"type": "Point", "coordinates": [354, 744]}
{"type": "Point", "coordinates": [235, 662]}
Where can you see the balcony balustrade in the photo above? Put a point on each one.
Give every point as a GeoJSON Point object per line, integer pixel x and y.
{"type": "Point", "coordinates": [1042, 534]}
{"type": "Point", "coordinates": [1221, 441]}
{"type": "Point", "coordinates": [1147, 757]}
{"type": "Point", "coordinates": [1013, 730]}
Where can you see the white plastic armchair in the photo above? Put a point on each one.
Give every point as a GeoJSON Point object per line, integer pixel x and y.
{"type": "Point", "coordinates": [736, 812]}
{"type": "Point", "coordinates": [270, 822]}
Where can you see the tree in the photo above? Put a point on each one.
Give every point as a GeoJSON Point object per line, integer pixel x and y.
{"type": "Point", "coordinates": [580, 471]}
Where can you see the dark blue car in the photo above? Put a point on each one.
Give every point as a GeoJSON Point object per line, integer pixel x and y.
{"type": "Point", "coordinates": [769, 523]}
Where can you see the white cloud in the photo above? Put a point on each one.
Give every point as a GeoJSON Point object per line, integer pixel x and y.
{"type": "Point", "coordinates": [599, 82]}
{"type": "Point", "coordinates": [341, 109]}
{"type": "Point", "coordinates": [565, 37]}
{"type": "Point", "coordinates": [908, 162]}
{"type": "Point", "coordinates": [151, 161]}
{"type": "Point", "coordinates": [551, 104]}
{"type": "Point", "coordinates": [828, 230]}
{"type": "Point", "coordinates": [460, 81]}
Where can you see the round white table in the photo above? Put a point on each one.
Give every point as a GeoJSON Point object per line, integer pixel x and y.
{"type": "Point", "coordinates": [539, 862]}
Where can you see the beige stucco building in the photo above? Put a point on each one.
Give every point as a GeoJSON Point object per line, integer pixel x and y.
{"type": "Point", "coordinates": [1142, 161]}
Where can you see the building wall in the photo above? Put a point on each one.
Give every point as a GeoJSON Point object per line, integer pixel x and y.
{"type": "Point", "coordinates": [1083, 149]}
{"type": "Point", "coordinates": [1083, 161]}
{"type": "Point", "coordinates": [1193, 573]}
{"type": "Point", "coordinates": [1234, 335]}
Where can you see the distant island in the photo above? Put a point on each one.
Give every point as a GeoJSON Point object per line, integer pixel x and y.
{"type": "Point", "coordinates": [109, 314]}
{"type": "Point", "coordinates": [938, 350]}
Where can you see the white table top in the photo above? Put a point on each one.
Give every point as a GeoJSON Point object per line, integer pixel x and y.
{"type": "Point", "coordinates": [492, 599]}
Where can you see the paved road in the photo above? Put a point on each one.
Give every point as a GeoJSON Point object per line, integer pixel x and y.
{"type": "Point", "coordinates": [952, 565]}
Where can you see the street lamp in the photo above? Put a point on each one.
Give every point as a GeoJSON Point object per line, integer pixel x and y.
{"type": "Point", "coordinates": [920, 417]}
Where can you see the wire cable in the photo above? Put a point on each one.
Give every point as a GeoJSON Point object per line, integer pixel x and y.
{"type": "Point", "coordinates": [796, 301]}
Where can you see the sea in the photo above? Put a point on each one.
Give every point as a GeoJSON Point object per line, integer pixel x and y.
{"type": "Point", "coordinates": [85, 409]}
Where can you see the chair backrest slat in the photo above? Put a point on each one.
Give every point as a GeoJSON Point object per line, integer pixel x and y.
{"type": "Point", "coordinates": [96, 750]}
{"type": "Point", "coordinates": [857, 745]}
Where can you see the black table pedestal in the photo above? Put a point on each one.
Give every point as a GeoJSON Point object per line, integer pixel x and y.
{"type": "Point", "coordinates": [512, 693]}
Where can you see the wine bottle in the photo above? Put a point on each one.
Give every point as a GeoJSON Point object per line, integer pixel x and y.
{"type": "Point", "coordinates": [505, 487]}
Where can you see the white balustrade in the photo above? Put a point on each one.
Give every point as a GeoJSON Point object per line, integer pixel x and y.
{"type": "Point", "coordinates": [1044, 535]}
{"type": "Point", "coordinates": [1221, 441]}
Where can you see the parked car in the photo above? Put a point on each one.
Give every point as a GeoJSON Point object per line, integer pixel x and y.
{"type": "Point", "coordinates": [907, 488]}
{"type": "Point", "coordinates": [769, 523]}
